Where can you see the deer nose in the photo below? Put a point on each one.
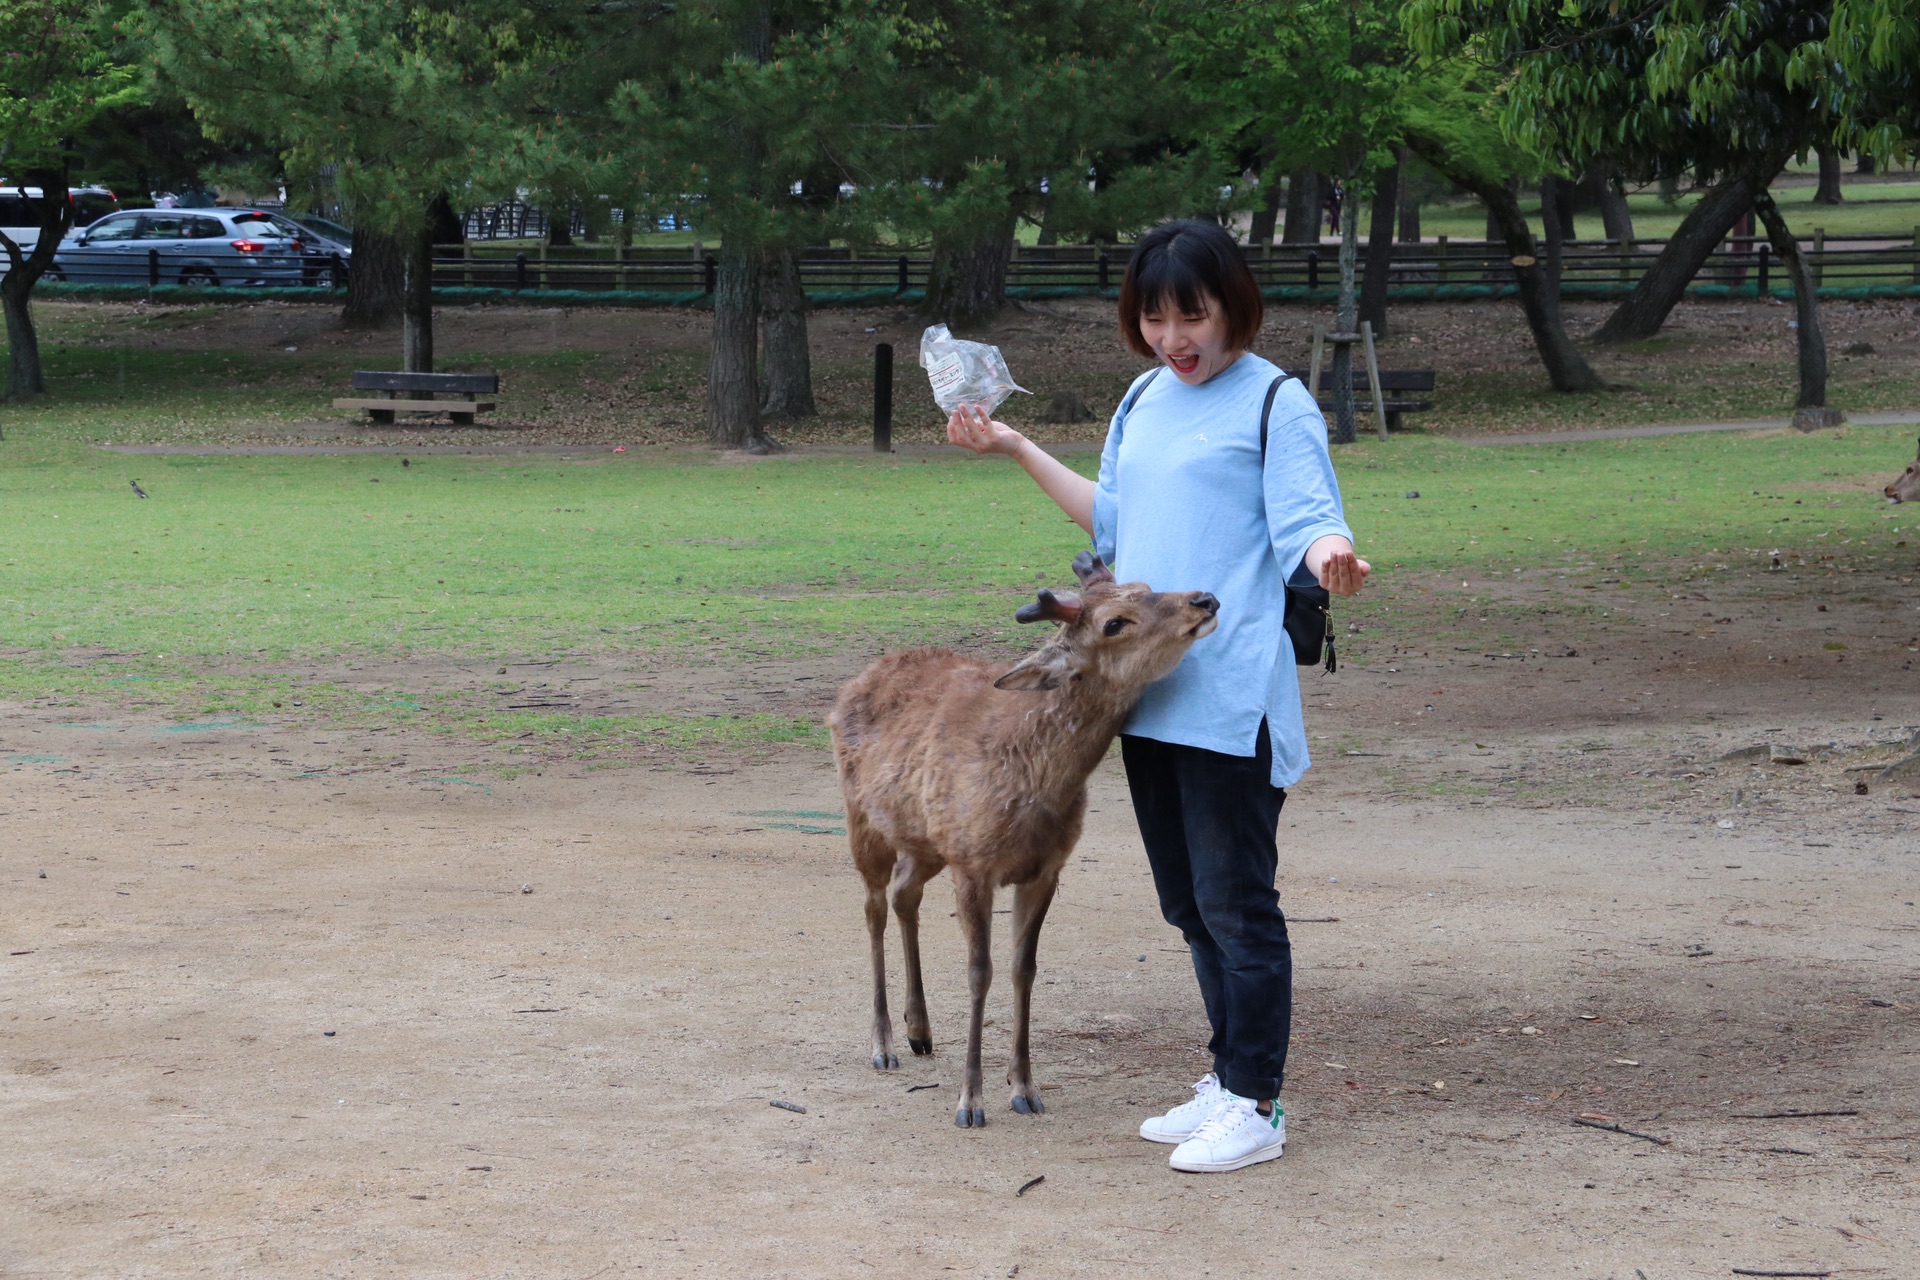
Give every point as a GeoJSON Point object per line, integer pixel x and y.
{"type": "Point", "coordinates": [1204, 600]}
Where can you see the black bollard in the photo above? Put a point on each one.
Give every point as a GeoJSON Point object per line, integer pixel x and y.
{"type": "Point", "coordinates": [153, 267]}
{"type": "Point", "coordinates": [903, 273]}
{"type": "Point", "coordinates": [1313, 270]}
{"type": "Point", "coordinates": [709, 274]}
{"type": "Point", "coordinates": [1760, 288]}
{"type": "Point", "coordinates": [519, 272]}
{"type": "Point", "coordinates": [883, 397]}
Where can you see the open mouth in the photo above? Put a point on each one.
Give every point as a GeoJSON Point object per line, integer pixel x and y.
{"type": "Point", "coordinates": [1184, 364]}
{"type": "Point", "coordinates": [1205, 626]}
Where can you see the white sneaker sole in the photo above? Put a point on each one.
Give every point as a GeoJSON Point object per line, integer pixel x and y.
{"type": "Point", "coordinates": [1152, 1134]}
{"type": "Point", "coordinates": [1228, 1166]}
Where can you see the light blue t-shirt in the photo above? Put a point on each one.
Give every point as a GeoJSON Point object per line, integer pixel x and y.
{"type": "Point", "coordinates": [1183, 504]}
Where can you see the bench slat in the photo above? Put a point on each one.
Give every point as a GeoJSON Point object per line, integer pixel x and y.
{"type": "Point", "coordinates": [469, 383]}
{"type": "Point", "coordinates": [416, 406]}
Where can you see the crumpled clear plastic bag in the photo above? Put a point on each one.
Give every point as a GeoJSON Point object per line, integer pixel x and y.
{"type": "Point", "coordinates": [963, 372]}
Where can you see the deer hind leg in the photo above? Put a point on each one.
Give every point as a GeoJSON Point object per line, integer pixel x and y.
{"type": "Point", "coordinates": [909, 879]}
{"type": "Point", "coordinates": [875, 861]}
{"type": "Point", "coordinates": [973, 898]}
{"type": "Point", "coordinates": [1030, 903]}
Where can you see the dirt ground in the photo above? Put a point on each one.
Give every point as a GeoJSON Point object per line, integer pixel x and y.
{"type": "Point", "coordinates": [287, 1001]}
{"type": "Point", "coordinates": [636, 377]}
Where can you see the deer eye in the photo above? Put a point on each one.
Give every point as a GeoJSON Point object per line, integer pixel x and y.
{"type": "Point", "coordinates": [1115, 626]}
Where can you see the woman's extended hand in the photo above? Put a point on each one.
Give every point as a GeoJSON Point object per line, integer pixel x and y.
{"type": "Point", "coordinates": [970, 427]}
{"type": "Point", "coordinates": [1339, 570]}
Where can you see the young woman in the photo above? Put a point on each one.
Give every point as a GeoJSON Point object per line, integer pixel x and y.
{"type": "Point", "coordinates": [1190, 497]}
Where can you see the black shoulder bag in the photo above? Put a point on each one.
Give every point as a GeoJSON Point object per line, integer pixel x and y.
{"type": "Point", "coordinates": [1309, 614]}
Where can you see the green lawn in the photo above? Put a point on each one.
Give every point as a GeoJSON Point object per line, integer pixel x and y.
{"type": "Point", "coordinates": [270, 558]}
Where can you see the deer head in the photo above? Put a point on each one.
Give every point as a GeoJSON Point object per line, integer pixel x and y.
{"type": "Point", "coordinates": [1907, 487]}
{"type": "Point", "coordinates": [1122, 635]}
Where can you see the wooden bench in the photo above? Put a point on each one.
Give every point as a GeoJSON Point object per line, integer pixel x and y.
{"type": "Point", "coordinates": [419, 392]}
{"type": "Point", "coordinates": [1394, 386]}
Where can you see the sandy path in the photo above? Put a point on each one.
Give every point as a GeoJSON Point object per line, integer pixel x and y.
{"type": "Point", "coordinates": [170, 1104]}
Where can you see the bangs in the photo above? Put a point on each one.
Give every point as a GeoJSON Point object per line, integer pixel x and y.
{"type": "Point", "coordinates": [1165, 282]}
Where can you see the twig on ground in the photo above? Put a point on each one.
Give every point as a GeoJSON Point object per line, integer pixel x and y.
{"type": "Point", "coordinates": [784, 1105]}
{"type": "Point", "coordinates": [1030, 1184]}
{"type": "Point", "coordinates": [1756, 1271]}
{"type": "Point", "coordinates": [1610, 1126]}
{"type": "Point", "coordinates": [915, 1088]}
{"type": "Point", "coordinates": [1788, 1115]}
{"type": "Point", "coordinates": [1313, 919]}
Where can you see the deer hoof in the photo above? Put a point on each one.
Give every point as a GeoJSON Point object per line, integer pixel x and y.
{"type": "Point", "coordinates": [923, 1048]}
{"type": "Point", "coordinates": [1028, 1105]}
{"type": "Point", "coordinates": [970, 1118]}
{"type": "Point", "coordinates": [885, 1062]}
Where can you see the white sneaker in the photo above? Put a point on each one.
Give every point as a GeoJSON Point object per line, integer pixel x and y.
{"type": "Point", "coordinates": [1178, 1124]}
{"type": "Point", "coordinates": [1233, 1137]}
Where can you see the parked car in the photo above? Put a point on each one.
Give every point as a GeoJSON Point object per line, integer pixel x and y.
{"type": "Point", "coordinates": [20, 213]}
{"type": "Point", "coordinates": [329, 241]}
{"type": "Point", "coordinates": [193, 247]}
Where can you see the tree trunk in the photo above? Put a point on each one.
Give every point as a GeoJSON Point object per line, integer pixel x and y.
{"type": "Point", "coordinates": [1611, 199]}
{"type": "Point", "coordinates": [1864, 165]}
{"type": "Point", "coordinates": [1829, 190]}
{"type": "Point", "coordinates": [783, 321]}
{"type": "Point", "coordinates": [376, 281]}
{"type": "Point", "coordinates": [1554, 217]}
{"type": "Point", "coordinates": [416, 333]}
{"type": "Point", "coordinates": [1302, 224]}
{"type": "Point", "coordinates": [1266, 216]}
{"type": "Point", "coordinates": [1556, 209]}
{"type": "Point", "coordinates": [1409, 203]}
{"type": "Point", "coordinates": [559, 227]}
{"type": "Point", "coordinates": [967, 284]}
{"type": "Point", "coordinates": [1373, 299]}
{"type": "Point", "coordinates": [1343, 418]}
{"type": "Point", "coordinates": [1664, 283]}
{"type": "Point", "coordinates": [733, 387]}
{"type": "Point", "coordinates": [1810, 411]}
{"type": "Point", "coordinates": [25, 377]}
{"type": "Point", "coordinates": [1567, 369]}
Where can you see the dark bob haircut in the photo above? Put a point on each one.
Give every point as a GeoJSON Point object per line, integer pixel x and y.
{"type": "Point", "coordinates": [1192, 264]}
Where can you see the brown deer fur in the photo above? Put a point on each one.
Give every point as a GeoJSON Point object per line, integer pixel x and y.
{"type": "Point", "coordinates": [947, 761]}
{"type": "Point", "coordinates": [1906, 488]}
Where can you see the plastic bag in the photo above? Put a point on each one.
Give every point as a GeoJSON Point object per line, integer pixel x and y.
{"type": "Point", "coordinates": [964, 372]}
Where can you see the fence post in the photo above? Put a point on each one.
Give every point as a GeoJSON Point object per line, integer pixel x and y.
{"type": "Point", "coordinates": [620, 267]}
{"type": "Point", "coordinates": [1625, 247]}
{"type": "Point", "coordinates": [1440, 260]}
{"type": "Point", "coordinates": [1916, 255]}
{"type": "Point", "coordinates": [1760, 277]}
{"type": "Point", "coordinates": [903, 284]}
{"type": "Point", "coordinates": [1103, 261]}
{"type": "Point", "coordinates": [1819, 252]}
{"type": "Point", "coordinates": [1313, 270]}
{"type": "Point", "coordinates": [883, 397]}
{"type": "Point", "coordinates": [153, 268]}
{"type": "Point", "coordinates": [542, 281]}
{"type": "Point", "coordinates": [520, 271]}
{"type": "Point", "coordinates": [466, 258]}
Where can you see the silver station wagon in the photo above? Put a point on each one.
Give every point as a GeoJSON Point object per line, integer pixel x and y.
{"type": "Point", "coordinates": [186, 246]}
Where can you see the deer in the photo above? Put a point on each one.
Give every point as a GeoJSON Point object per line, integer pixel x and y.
{"type": "Point", "coordinates": [950, 762]}
{"type": "Point", "coordinates": [1906, 487]}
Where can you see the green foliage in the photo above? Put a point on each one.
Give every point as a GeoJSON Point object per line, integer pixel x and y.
{"type": "Point", "coordinates": [387, 102]}
{"type": "Point", "coordinates": [1876, 42]}
{"type": "Point", "coordinates": [57, 73]}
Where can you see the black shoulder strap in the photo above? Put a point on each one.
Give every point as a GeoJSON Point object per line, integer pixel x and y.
{"type": "Point", "coordinates": [1139, 391]}
{"type": "Point", "coordinates": [1266, 411]}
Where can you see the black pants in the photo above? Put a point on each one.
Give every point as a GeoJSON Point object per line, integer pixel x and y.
{"type": "Point", "coordinates": [1209, 822]}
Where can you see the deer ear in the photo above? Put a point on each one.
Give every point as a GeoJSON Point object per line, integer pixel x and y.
{"type": "Point", "coordinates": [1089, 568]}
{"type": "Point", "coordinates": [1047, 607]}
{"type": "Point", "coordinates": [1044, 669]}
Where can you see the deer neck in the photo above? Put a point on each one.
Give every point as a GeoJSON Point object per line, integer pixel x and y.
{"type": "Point", "coordinates": [1059, 740]}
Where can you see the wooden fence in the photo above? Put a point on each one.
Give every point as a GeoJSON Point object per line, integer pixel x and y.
{"type": "Point", "coordinates": [1433, 268]}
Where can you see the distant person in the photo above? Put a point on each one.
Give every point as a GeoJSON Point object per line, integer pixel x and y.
{"type": "Point", "coordinates": [1335, 194]}
{"type": "Point", "coordinates": [1190, 498]}
{"type": "Point", "coordinates": [166, 200]}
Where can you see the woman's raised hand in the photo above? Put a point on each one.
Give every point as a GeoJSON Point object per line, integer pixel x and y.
{"type": "Point", "coordinates": [970, 427]}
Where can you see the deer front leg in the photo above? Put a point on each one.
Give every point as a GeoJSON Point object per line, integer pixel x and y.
{"type": "Point", "coordinates": [909, 879]}
{"type": "Point", "coordinates": [1030, 903]}
{"type": "Point", "coordinates": [973, 898]}
{"type": "Point", "coordinates": [883, 1059]}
